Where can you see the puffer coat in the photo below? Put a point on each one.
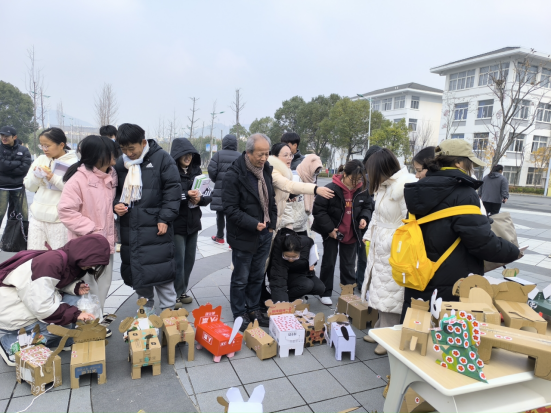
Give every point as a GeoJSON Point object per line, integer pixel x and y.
{"type": "Point", "coordinates": [218, 166]}
{"type": "Point", "coordinates": [390, 208]}
{"type": "Point", "coordinates": [15, 162]}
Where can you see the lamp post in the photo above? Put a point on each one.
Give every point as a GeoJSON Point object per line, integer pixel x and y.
{"type": "Point", "coordinates": [369, 132]}
{"type": "Point", "coordinates": [213, 115]}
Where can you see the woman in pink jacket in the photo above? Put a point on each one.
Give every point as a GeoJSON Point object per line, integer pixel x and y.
{"type": "Point", "coordinates": [86, 204]}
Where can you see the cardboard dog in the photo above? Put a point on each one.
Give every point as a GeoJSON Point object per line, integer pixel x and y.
{"type": "Point", "coordinates": [357, 310]}
{"type": "Point", "coordinates": [341, 335]}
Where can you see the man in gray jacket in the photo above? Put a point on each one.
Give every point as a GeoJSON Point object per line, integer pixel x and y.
{"type": "Point", "coordinates": [494, 190]}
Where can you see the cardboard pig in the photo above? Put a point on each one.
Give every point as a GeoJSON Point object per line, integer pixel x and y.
{"type": "Point", "coordinates": [285, 327]}
{"type": "Point", "coordinates": [357, 310]}
{"type": "Point", "coordinates": [259, 341]}
{"type": "Point", "coordinates": [341, 336]}
{"type": "Point", "coordinates": [176, 329]}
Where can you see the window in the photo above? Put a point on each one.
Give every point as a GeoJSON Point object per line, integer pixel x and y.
{"type": "Point", "coordinates": [544, 112]}
{"type": "Point", "coordinates": [488, 74]}
{"type": "Point", "coordinates": [512, 174]}
{"type": "Point", "coordinates": [485, 108]}
{"type": "Point", "coordinates": [518, 144]}
{"type": "Point", "coordinates": [545, 81]}
{"type": "Point", "coordinates": [538, 142]}
{"type": "Point", "coordinates": [387, 104]}
{"type": "Point", "coordinates": [460, 111]}
{"type": "Point", "coordinates": [458, 136]}
{"type": "Point", "coordinates": [412, 124]}
{"type": "Point", "coordinates": [414, 102]}
{"type": "Point", "coordinates": [376, 105]}
{"type": "Point", "coordinates": [536, 177]}
{"type": "Point", "coordinates": [522, 109]}
{"type": "Point", "coordinates": [400, 102]}
{"type": "Point", "coordinates": [480, 141]}
{"type": "Point", "coordinates": [399, 119]}
{"type": "Point", "coordinates": [526, 74]}
{"type": "Point", "coordinates": [462, 80]}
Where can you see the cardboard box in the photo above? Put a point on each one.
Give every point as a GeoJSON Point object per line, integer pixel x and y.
{"type": "Point", "coordinates": [481, 311]}
{"type": "Point", "coordinates": [314, 327]}
{"type": "Point", "coordinates": [176, 329]}
{"type": "Point", "coordinates": [341, 335]}
{"type": "Point", "coordinates": [358, 311]}
{"type": "Point", "coordinates": [30, 367]}
{"type": "Point", "coordinates": [522, 342]}
{"type": "Point", "coordinates": [416, 326]}
{"type": "Point", "coordinates": [259, 341]}
{"type": "Point", "coordinates": [281, 308]}
{"type": "Point", "coordinates": [414, 403]}
{"type": "Point", "coordinates": [288, 333]}
{"type": "Point", "coordinates": [88, 358]}
{"type": "Point", "coordinates": [141, 321]}
{"type": "Point", "coordinates": [217, 338]}
{"type": "Point", "coordinates": [145, 351]}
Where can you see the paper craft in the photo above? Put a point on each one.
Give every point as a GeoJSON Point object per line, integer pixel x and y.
{"type": "Point", "coordinates": [357, 310]}
{"type": "Point", "coordinates": [59, 168]}
{"type": "Point", "coordinates": [31, 364]}
{"type": "Point", "coordinates": [259, 341]}
{"type": "Point", "coordinates": [236, 404]}
{"type": "Point", "coordinates": [314, 256]}
{"type": "Point", "coordinates": [201, 183]}
{"type": "Point", "coordinates": [341, 336]}
{"type": "Point", "coordinates": [177, 329]}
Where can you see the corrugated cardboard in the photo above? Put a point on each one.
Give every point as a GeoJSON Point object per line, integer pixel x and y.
{"type": "Point", "coordinates": [138, 321]}
{"type": "Point", "coordinates": [259, 341]}
{"type": "Point", "coordinates": [176, 329]}
{"type": "Point", "coordinates": [522, 342]}
{"type": "Point", "coordinates": [481, 311]}
{"type": "Point", "coordinates": [414, 403]}
{"type": "Point", "coordinates": [88, 358]}
{"type": "Point", "coordinates": [341, 336]}
{"type": "Point", "coordinates": [36, 377]}
{"type": "Point", "coordinates": [462, 287]}
{"type": "Point", "coordinates": [416, 326]}
{"type": "Point", "coordinates": [358, 311]}
{"type": "Point", "coordinates": [281, 308]}
{"type": "Point", "coordinates": [288, 333]}
{"type": "Point", "coordinates": [145, 350]}
{"type": "Point", "coordinates": [314, 327]}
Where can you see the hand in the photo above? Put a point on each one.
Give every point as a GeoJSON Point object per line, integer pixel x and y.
{"type": "Point", "coordinates": [312, 268]}
{"type": "Point", "coordinates": [504, 200]}
{"type": "Point", "coordinates": [85, 316]}
{"type": "Point", "coordinates": [162, 228]}
{"type": "Point", "coordinates": [271, 230]}
{"type": "Point", "coordinates": [325, 192]}
{"type": "Point", "coordinates": [194, 194]}
{"type": "Point", "coordinates": [49, 175]}
{"type": "Point", "coordinates": [261, 226]}
{"type": "Point", "coordinates": [121, 209]}
{"type": "Point", "coordinates": [83, 289]}
{"type": "Point", "coordinates": [362, 224]}
{"type": "Point", "coordinates": [333, 234]}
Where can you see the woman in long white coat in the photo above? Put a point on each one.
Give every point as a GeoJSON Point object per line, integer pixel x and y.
{"type": "Point", "coordinates": [386, 183]}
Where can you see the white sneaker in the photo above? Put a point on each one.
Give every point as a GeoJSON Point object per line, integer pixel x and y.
{"type": "Point", "coordinates": [326, 300]}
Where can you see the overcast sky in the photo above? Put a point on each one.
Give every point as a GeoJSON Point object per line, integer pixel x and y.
{"type": "Point", "coordinates": [157, 54]}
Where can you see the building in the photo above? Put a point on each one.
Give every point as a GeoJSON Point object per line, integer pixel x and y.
{"type": "Point", "coordinates": [472, 109]}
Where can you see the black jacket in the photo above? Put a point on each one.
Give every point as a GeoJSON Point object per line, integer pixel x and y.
{"type": "Point", "coordinates": [218, 166]}
{"type": "Point", "coordinates": [189, 219]}
{"type": "Point", "coordinates": [297, 159]}
{"type": "Point", "coordinates": [449, 188]}
{"type": "Point", "coordinates": [281, 270]}
{"type": "Point", "coordinates": [14, 164]}
{"type": "Point", "coordinates": [242, 206]}
{"type": "Point", "coordinates": [147, 259]}
{"type": "Point", "coordinates": [328, 213]}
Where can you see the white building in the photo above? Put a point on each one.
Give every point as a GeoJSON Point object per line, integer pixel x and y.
{"type": "Point", "coordinates": [471, 108]}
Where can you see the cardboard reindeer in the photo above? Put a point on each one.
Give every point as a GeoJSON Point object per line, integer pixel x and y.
{"type": "Point", "coordinates": [341, 336]}
{"type": "Point", "coordinates": [176, 329]}
{"type": "Point", "coordinates": [357, 310]}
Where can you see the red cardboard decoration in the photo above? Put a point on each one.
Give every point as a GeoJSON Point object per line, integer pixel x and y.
{"type": "Point", "coordinates": [213, 334]}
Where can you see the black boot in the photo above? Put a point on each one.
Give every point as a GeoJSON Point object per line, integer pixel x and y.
{"type": "Point", "coordinates": [262, 320]}
{"type": "Point", "coordinates": [246, 322]}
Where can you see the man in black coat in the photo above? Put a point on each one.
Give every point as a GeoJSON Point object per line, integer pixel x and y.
{"type": "Point", "coordinates": [293, 140]}
{"type": "Point", "coordinates": [251, 211]}
{"type": "Point", "coordinates": [15, 161]}
{"type": "Point", "coordinates": [218, 166]}
{"type": "Point", "coordinates": [147, 201]}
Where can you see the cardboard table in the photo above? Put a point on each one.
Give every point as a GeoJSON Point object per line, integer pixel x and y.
{"type": "Point", "coordinates": [512, 385]}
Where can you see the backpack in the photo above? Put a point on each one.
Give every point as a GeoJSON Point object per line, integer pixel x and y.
{"type": "Point", "coordinates": [411, 267]}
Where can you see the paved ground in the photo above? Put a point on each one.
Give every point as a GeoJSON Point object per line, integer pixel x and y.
{"type": "Point", "coordinates": [313, 382]}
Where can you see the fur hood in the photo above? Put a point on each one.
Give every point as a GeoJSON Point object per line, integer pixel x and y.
{"type": "Point", "coordinates": [280, 167]}
{"type": "Point", "coordinates": [397, 183]}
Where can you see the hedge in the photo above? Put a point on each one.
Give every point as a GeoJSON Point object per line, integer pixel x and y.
{"type": "Point", "coordinates": [526, 190]}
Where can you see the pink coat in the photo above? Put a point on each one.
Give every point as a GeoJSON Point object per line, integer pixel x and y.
{"type": "Point", "coordinates": [86, 204]}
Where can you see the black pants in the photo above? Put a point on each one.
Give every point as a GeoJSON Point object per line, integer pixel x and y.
{"type": "Point", "coordinates": [362, 264]}
{"type": "Point", "coordinates": [491, 208]}
{"type": "Point", "coordinates": [300, 285]}
{"type": "Point", "coordinates": [347, 256]}
{"type": "Point", "coordinates": [220, 224]}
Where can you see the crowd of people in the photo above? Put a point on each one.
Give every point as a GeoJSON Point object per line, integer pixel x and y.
{"type": "Point", "coordinates": [120, 188]}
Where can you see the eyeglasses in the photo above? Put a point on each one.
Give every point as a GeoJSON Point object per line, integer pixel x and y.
{"type": "Point", "coordinates": [44, 147]}
{"type": "Point", "coordinates": [290, 259]}
{"type": "Point", "coordinates": [286, 156]}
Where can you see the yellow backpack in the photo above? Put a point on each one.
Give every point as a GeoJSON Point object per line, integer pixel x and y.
{"type": "Point", "coordinates": [411, 267]}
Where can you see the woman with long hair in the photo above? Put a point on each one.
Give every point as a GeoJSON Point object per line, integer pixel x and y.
{"type": "Point", "coordinates": [421, 160]}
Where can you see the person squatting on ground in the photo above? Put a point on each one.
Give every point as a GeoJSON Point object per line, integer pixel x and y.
{"type": "Point", "coordinates": [45, 227]}
{"type": "Point", "coordinates": [188, 223]}
{"type": "Point", "coordinates": [15, 161]}
{"type": "Point", "coordinates": [218, 165]}
{"type": "Point", "coordinates": [43, 287]}
{"type": "Point", "coordinates": [290, 274]}
{"type": "Point", "coordinates": [86, 203]}
{"type": "Point", "coordinates": [147, 202]}
{"type": "Point", "coordinates": [251, 212]}
{"type": "Point", "coordinates": [494, 190]}
{"type": "Point", "coordinates": [341, 222]}
{"type": "Point", "coordinates": [386, 183]}
{"type": "Point", "coordinates": [293, 140]}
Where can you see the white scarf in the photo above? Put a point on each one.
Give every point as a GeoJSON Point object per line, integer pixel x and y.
{"type": "Point", "coordinates": [132, 189]}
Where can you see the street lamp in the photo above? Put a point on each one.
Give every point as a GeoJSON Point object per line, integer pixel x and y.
{"type": "Point", "coordinates": [213, 114]}
{"type": "Point", "coordinates": [369, 132]}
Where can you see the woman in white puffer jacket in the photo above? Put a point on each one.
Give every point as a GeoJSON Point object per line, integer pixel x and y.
{"type": "Point", "coordinates": [386, 183]}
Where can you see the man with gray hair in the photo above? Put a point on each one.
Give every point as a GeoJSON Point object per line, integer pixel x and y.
{"type": "Point", "coordinates": [251, 215]}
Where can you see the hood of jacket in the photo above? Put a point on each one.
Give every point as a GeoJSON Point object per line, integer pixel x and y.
{"type": "Point", "coordinates": [280, 167]}
{"type": "Point", "coordinates": [181, 147]}
{"type": "Point", "coordinates": [494, 175]}
{"type": "Point", "coordinates": [229, 142]}
{"type": "Point", "coordinates": [423, 196]}
{"type": "Point", "coordinates": [70, 157]}
{"type": "Point", "coordinates": [297, 155]}
{"type": "Point", "coordinates": [397, 183]}
{"type": "Point", "coordinates": [308, 167]}
{"type": "Point", "coordinates": [337, 179]}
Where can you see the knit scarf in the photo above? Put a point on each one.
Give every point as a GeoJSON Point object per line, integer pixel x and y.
{"type": "Point", "coordinates": [132, 189]}
{"type": "Point", "coordinates": [262, 188]}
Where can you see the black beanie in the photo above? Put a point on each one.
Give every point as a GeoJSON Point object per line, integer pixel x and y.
{"type": "Point", "coordinates": [370, 151]}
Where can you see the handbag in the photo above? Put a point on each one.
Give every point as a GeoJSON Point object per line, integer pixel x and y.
{"type": "Point", "coordinates": [15, 234]}
{"type": "Point", "coordinates": [502, 227]}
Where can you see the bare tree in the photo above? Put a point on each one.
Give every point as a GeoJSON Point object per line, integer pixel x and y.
{"type": "Point", "coordinates": [44, 108]}
{"type": "Point", "coordinates": [33, 83]}
{"type": "Point", "coordinates": [454, 111]}
{"type": "Point", "coordinates": [60, 115]}
{"type": "Point", "coordinates": [237, 107]}
{"type": "Point", "coordinates": [192, 120]}
{"type": "Point", "coordinates": [106, 106]}
{"type": "Point", "coordinates": [420, 137]}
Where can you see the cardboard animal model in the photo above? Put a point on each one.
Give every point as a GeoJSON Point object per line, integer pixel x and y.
{"type": "Point", "coordinates": [144, 351]}
{"type": "Point", "coordinates": [314, 326]}
{"type": "Point", "coordinates": [341, 336]}
{"type": "Point", "coordinates": [356, 309]}
{"type": "Point", "coordinates": [141, 321]}
{"type": "Point", "coordinates": [176, 329]}
{"type": "Point", "coordinates": [416, 326]}
{"type": "Point", "coordinates": [285, 327]}
{"type": "Point", "coordinates": [259, 341]}
{"type": "Point", "coordinates": [347, 289]}
{"type": "Point", "coordinates": [235, 403]}
{"type": "Point", "coordinates": [281, 308]}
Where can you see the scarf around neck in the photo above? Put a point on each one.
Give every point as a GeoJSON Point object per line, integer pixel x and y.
{"type": "Point", "coordinates": [132, 189]}
{"type": "Point", "coordinates": [258, 172]}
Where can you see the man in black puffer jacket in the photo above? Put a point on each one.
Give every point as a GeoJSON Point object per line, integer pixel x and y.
{"type": "Point", "coordinates": [218, 166]}
{"type": "Point", "coordinates": [188, 222]}
{"type": "Point", "coordinates": [147, 201]}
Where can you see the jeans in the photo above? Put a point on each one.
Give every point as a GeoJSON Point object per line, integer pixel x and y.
{"type": "Point", "coordinates": [184, 258]}
{"type": "Point", "coordinates": [220, 224]}
{"type": "Point", "coordinates": [362, 264]}
{"type": "Point", "coordinates": [17, 201]}
{"type": "Point", "coordinates": [347, 256]}
{"type": "Point", "coordinates": [248, 275]}
{"type": "Point", "coordinates": [52, 341]}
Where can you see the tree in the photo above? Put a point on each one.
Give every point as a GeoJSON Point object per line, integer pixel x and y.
{"type": "Point", "coordinates": [394, 136]}
{"type": "Point", "coordinates": [106, 106]}
{"type": "Point", "coordinates": [261, 126]}
{"type": "Point", "coordinates": [239, 131]}
{"type": "Point", "coordinates": [192, 120]}
{"type": "Point", "coordinates": [421, 137]}
{"type": "Point", "coordinates": [453, 112]}
{"type": "Point", "coordinates": [34, 82]}
{"type": "Point", "coordinates": [310, 117]}
{"type": "Point", "coordinates": [60, 115]}
{"type": "Point", "coordinates": [237, 107]}
{"type": "Point", "coordinates": [16, 110]}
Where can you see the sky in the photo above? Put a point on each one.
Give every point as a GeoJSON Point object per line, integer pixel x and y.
{"type": "Point", "coordinates": [158, 54]}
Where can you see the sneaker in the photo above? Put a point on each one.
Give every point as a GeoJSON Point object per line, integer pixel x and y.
{"type": "Point", "coordinates": [184, 299]}
{"type": "Point", "coordinates": [67, 348]}
{"type": "Point", "coordinates": [108, 333]}
{"type": "Point", "coordinates": [262, 320]}
{"type": "Point", "coordinates": [217, 240]}
{"type": "Point", "coordinates": [326, 300]}
{"type": "Point", "coordinates": [7, 356]}
{"type": "Point", "coordinates": [246, 322]}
